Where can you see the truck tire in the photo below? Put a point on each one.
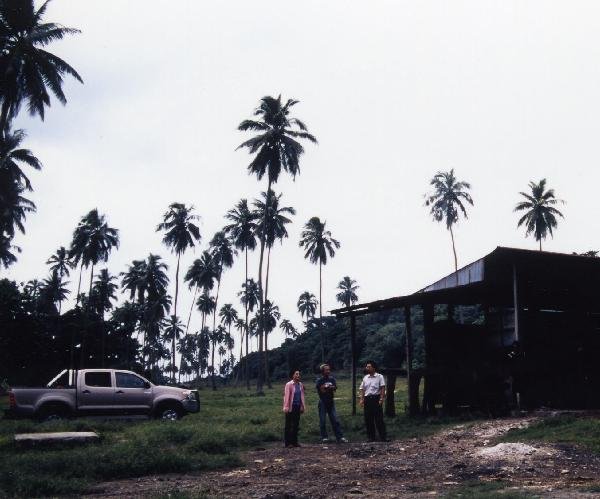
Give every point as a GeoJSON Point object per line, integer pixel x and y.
{"type": "Point", "coordinates": [52, 412]}
{"type": "Point", "coordinates": [169, 411]}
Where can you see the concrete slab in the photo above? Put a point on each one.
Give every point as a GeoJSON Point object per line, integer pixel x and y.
{"type": "Point", "coordinates": [56, 437]}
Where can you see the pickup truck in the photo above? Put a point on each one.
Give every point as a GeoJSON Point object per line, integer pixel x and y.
{"type": "Point", "coordinates": [101, 392]}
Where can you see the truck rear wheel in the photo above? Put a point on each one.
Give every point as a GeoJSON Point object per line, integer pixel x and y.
{"type": "Point", "coordinates": [52, 412]}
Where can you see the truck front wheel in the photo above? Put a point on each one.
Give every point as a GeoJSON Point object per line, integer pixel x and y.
{"type": "Point", "coordinates": [169, 412]}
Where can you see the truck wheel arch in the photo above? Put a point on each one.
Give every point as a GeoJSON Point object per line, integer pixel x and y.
{"type": "Point", "coordinates": [51, 410]}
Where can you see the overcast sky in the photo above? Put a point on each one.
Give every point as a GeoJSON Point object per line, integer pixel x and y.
{"type": "Point", "coordinates": [503, 91]}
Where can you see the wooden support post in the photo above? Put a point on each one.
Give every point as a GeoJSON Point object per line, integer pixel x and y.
{"type": "Point", "coordinates": [353, 353]}
{"type": "Point", "coordinates": [413, 388]}
{"type": "Point", "coordinates": [428, 406]}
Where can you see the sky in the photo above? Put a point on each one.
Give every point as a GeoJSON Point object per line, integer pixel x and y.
{"type": "Point", "coordinates": [504, 92]}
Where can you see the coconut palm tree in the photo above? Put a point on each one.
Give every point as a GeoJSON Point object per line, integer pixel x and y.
{"type": "Point", "coordinates": [55, 290]}
{"type": "Point", "coordinates": [249, 297]}
{"type": "Point", "coordinates": [206, 305]}
{"type": "Point", "coordinates": [216, 337]}
{"type": "Point", "coordinates": [318, 244]}
{"type": "Point", "coordinates": [540, 212]}
{"type": "Point", "coordinates": [307, 305]}
{"type": "Point", "coordinates": [275, 148]}
{"type": "Point", "coordinates": [269, 321]}
{"type": "Point", "coordinates": [7, 251]}
{"type": "Point", "coordinates": [271, 219]}
{"type": "Point", "coordinates": [181, 233]}
{"type": "Point", "coordinates": [447, 202]}
{"type": "Point", "coordinates": [202, 274]}
{"type": "Point", "coordinates": [347, 295]}
{"type": "Point", "coordinates": [103, 293]}
{"type": "Point", "coordinates": [173, 331]}
{"type": "Point", "coordinates": [60, 263]}
{"type": "Point", "coordinates": [288, 329]}
{"type": "Point", "coordinates": [29, 72]}
{"type": "Point", "coordinates": [223, 253]}
{"type": "Point", "coordinates": [93, 240]}
{"type": "Point", "coordinates": [133, 280]}
{"type": "Point", "coordinates": [240, 325]}
{"type": "Point", "coordinates": [14, 207]}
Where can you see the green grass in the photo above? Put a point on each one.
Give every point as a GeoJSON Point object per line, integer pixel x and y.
{"type": "Point", "coordinates": [581, 431]}
{"type": "Point", "coordinates": [230, 420]}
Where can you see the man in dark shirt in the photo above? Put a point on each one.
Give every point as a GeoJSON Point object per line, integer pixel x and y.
{"type": "Point", "coordinates": [326, 387]}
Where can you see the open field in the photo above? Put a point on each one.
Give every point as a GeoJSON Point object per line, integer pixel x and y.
{"type": "Point", "coordinates": [232, 447]}
{"type": "Point", "coordinates": [230, 420]}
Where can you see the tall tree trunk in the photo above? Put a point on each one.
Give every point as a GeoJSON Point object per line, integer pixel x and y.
{"type": "Point", "coordinates": [246, 363]}
{"type": "Point", "coordinates": [454, 250]}
{"type": "Point", "coordinates": [540, 244]}
{"type": "Point", "coordinates": [102, 347]}
{"type": "Point", "coordinates": [321, 312]}
{"type": "Point", "coordinates": [86, 321]}
{"type": "Point", "coordinates": [214, 383]}
{"type": "Point", "coordinates": [261, 302]}
{"type": "Point", "coordinates": [79, 285]}
{"type": "Point", "coordinates": [4, 118]}
{"type": "Point", "coordinates": [187, 326]}
{"type": "Point", "coordinates": [267, 373]}
{"type": "Point", "coordinates": [175, 314]}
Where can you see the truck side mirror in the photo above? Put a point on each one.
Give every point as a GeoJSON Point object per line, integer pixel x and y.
{"type": "Point", "coordinates": [147, 385]}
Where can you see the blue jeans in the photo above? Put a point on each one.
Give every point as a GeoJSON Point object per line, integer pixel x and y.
{"type": "Point", "coordinates": [324, 410]}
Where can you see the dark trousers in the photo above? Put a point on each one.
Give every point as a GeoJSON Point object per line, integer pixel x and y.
{"type": "Point", "coordinates": [292, 424]}
{"type": "Point", "coordinates": [374, 417]}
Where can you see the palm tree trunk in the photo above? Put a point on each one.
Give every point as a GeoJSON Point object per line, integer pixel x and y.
{"type": "Point", "coordinates": [540, 244]}
{"type": "Point", "coordinates": [79, 285]}
{"type": "Point", "coordinates": [4, 117]}
{"type": "Point", "coordinates": [261, 302]}
{"type": "Point", "coordinates": [187, 326]}
{"type": "Point", "coordinates": [214, 383]}
{"type": "Point", "coordinates": [246, 364]}
{"type": "Point", "coordinates": [321, 311]}
{"type": "Point", "coordinates": [267, 374]}
{"type": "Point", "coordinates": [454, 251]}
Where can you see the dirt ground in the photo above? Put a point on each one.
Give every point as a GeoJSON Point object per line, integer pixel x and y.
{"type": "Point", "coordinates": [436, 465]}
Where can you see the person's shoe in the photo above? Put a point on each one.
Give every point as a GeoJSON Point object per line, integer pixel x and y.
{"type": "Point", "coordinates": [342, 440]}
{"type": "Point", "coordinates": [324, 440]}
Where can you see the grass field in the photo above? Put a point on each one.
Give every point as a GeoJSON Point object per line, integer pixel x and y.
{"type": "Point", "coordinates": [230, 420]}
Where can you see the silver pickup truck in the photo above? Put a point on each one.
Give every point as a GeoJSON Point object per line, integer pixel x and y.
{"type": "Point", "coordinates": [101, 392]}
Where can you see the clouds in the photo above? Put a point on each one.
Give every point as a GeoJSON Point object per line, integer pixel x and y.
{"type": "Point", "coordinates": [504, 92]}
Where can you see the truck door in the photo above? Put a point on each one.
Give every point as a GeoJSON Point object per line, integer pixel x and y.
{"type": "Point", "coordinates": [96, 391]}
{"type": "Point", "coordinates": [132, 392]}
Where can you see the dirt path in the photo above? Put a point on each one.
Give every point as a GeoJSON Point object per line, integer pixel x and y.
{"type": "Point", "coordinates": [435, 465]}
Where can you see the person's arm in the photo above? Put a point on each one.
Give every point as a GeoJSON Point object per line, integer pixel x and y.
{"type": "Point", "coordinates": [382, 391]}
{"type": "Point", "coordinates": [361, 391]}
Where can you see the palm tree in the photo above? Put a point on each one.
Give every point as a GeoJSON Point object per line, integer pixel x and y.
{"type": "Point", "coordinates": [307, 305]}
{"type": "Point", "coordinates": [133, 280]}
{"type": "Point", "coordinates": [249, 297]}
{"type": "Point", "coordinates": [173, 331]}
{"type": "Point", "coordinates": [11, 156]}
{"type": "Point", "coordinates": [216, 337]}
{"type": "Point", "coordinates": [103, 292]}
{"type": "Point", "coordinates": [540, 212]}
{"type": "Point", "coordinates": [206, 305]}
{"type": "Point", "coordinates": [318, 244]}
{"type": "Point", "coordinates": [241, 231]}
{"type": "Point", "coordinates": [275, 148]}
{"type": "Point", "coordinates": [271, 219]}
{"type": "Point", "coordinates": [55, 290]}
{"type": "Point", "coordinates": [223, 253]}
{"type": "Point", "coordinates": [181, 233]}
{"type": "Point", "coordinates": [240, 325]}
{"type": "Point", "coordinates": [288, 329]}
{"type": "Point", "coordinates": [7, 251]}
{"type": "Point", "coordinates": [14, 207]}
{"type": "Point", "coordinates": [269, 322]}
{"type": "Point", "coordinates": [29, 73]}
{"type": "Point", "coordinates": [447, 202]}
{"type": "Point", "coordinates": [347, 295]}
{"type": "Point", "coordinates": [201, 275]}
{"type": "Point", "coordinates": [93, 240]}
{"type": "Point", "coordinates": [60, 263]}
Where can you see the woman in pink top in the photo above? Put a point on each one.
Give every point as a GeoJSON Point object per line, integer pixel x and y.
{"type": "Point", "coordinates": [293, 406]}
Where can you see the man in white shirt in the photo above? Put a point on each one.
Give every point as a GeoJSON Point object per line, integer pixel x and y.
{"type": "Point", "coordinates": [372, 395]}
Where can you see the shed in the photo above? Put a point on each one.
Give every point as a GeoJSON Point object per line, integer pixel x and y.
{"type": "Point", "coordinates": [537, 343]}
